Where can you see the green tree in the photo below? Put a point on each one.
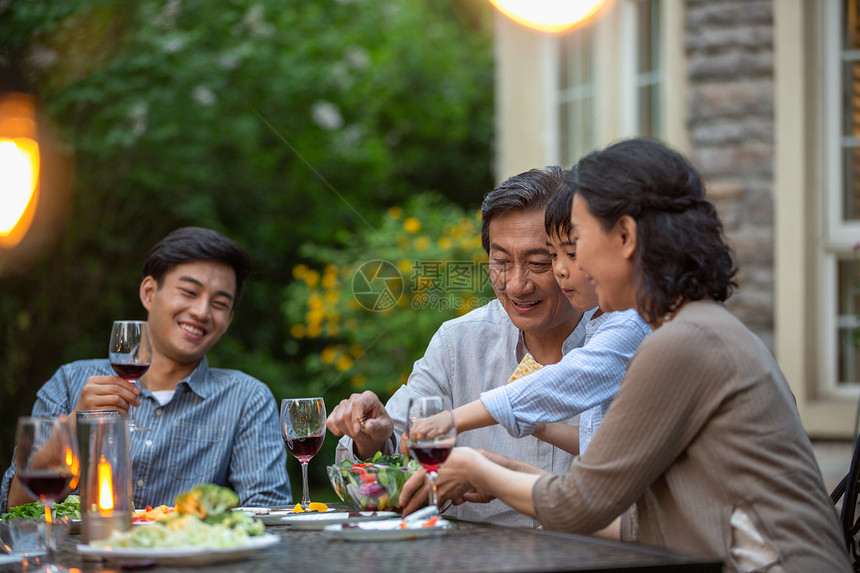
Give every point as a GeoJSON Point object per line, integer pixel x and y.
{"type": "Point", "coordinates": [278, 123]}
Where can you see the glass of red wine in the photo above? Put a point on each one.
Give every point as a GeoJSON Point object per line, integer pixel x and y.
{"type": "Point", "coordinates": [303, 429]}
{"type": "Point", "coordinates": [431, 435]}
{"type": "Point", "coordinates": [47, 466]}
{"type": "Point", "coordinates": [130, 354]}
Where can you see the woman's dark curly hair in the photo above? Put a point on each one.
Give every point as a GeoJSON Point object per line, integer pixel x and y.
{"type": "Point", "coordinates": [682, 253]}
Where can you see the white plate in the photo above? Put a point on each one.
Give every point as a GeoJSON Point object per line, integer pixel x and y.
{"type": "Point", "coordinates": [181, 555]}
{"type": "Point", "coordinates": [388, 530]}
{"type": "Point", "coordinates": [273, 516]}
{"type": "Point", "coordinates": [320, 520]}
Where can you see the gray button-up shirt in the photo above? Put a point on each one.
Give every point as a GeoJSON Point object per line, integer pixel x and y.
{"type": "Point", "coordinates": [469, 355]}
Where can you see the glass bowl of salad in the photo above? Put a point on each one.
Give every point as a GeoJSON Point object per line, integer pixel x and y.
{"type": "Point", "coordinates": [373, 485]}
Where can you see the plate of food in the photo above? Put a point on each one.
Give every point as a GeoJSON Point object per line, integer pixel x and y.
{"type": "Point", "coordinates": [202, 529]}
{"type": "Point", "coordinates": [389, 529]}
{"type": "Point", "coordinates": [273, 516]}
{"type": "Point", "coordinates": [321, 520]}
{"type": "Point", "coordinates": [186, 555]}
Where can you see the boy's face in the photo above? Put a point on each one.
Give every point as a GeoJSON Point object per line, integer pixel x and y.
{"type": "Point", "coordinates": [573, 282]}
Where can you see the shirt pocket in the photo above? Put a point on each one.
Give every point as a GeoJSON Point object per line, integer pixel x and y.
{"type": "Point", "coordinates": [194, 450]}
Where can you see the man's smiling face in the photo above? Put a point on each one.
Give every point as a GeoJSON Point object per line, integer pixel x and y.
{"type": "Point", "coordinates": [521, 272]}
{"type": "Point", "coordinates": [190, 310]}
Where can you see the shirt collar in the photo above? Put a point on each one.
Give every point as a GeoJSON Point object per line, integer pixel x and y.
{"type": "Point", "coordinates": [574, 340]}
{"type": "Point", "coordinates": [199, 381]}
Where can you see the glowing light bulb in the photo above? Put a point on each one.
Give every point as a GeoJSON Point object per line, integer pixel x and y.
{"type": "Point", "coordinates": [19, 164]}
{"type": "Point", "coordinates": [548, 15]}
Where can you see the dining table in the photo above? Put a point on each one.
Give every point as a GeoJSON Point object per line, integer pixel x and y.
{"type": "Point", "coordinates": [465, 546]}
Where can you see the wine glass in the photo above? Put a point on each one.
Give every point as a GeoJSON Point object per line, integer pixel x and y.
{"type": "Point", "coordinates": [130, 353]}
{"type": "Point", "coordinates": [303, 429]}
{"type": "Point", "coordinates": [431, 435]}
{"type": "Point", "coordinates": [47, 466]}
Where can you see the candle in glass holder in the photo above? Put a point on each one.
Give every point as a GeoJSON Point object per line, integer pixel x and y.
{"type": "Point", "coordinates": [106, 477]}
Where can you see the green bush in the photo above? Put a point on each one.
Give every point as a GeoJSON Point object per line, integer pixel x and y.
{"type": "Point", "coordinates": [366, 311]}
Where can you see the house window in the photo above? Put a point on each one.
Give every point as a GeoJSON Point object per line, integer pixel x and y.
{"type": "Point", "coordinates": [648, 76]}
{"type": "Point", "coordinates": [841, 160]}
{"type": "Point", "coordinates": [610, 79]}
{"type": "Point", "coordinates": [576, 95]}
{"type": "Point", "coordinates": [850, 75]}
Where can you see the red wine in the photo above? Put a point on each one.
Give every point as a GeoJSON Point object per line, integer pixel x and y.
{"type": "Point", "coordinates": [46, 485]}
{"type": "Point", "coordinates": [129, 371]}
{"type": "Point", "coordinates": [432, 456]}
{"type": "Point", "coordinates": [305, 448]}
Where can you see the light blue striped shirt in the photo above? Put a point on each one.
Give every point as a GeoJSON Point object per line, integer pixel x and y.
{"type": "Point", "coordinates": [584, 382]}
{"type": "Point", "coordinates": [221, 426]}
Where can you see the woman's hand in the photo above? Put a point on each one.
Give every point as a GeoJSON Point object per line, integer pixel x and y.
{"type": "Point", "coordinates": [452, 481]}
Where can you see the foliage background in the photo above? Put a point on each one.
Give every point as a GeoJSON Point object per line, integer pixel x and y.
{"type": "Point", "coordinates": [296, 128]}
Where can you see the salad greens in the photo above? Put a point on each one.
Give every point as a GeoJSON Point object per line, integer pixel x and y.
{"type": "Point", "coordinates": [375, 484]}
{"type": "Point", "coordinates": [70, 507]}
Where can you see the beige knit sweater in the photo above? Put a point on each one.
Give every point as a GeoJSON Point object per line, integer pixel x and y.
{"type": "Point", "coordinates": [704, 431]}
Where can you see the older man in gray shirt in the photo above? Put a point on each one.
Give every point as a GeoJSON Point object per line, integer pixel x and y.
{"type": "Point", "coordinates": [479, 351]}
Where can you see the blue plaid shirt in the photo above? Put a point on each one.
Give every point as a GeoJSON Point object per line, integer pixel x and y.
{"type": "Point", "coordinates": [222, 426]}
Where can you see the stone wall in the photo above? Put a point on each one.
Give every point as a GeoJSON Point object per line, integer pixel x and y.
{"type": "Point", "coordinates": [729, 49]}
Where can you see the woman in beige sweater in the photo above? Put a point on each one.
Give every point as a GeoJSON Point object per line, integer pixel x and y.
{"type": "Point", "coordinates": [704, 435]}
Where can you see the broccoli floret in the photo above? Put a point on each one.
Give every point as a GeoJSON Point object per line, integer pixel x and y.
{"type": "Point", "coordinates": [238, 520]}
{"type": "Point", "coordinates": [206, 499]}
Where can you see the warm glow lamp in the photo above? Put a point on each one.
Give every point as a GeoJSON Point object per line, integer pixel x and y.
{"type": "Point", "coordinates": [548, 15]}
{"type": "Point", "coordinates": [19, 167]}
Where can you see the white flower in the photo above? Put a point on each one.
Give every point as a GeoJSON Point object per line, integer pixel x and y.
{"type": "Point", "coordinates": [138, 114]}
{"type": "Point", "coordinates": [229, 61]}
{"type": "Point", "coordinates": [203, 95]}
{"type": "Point", "coordinates": [166, 18]}
{"type": "Point", "coordinates": [255, 21]}
{"type": "Point", "coordinates": [173, 45]}
{"type": "Point", "coordinates": [326, 115]}
{"type": "Point", "coordinates": [357, 57]}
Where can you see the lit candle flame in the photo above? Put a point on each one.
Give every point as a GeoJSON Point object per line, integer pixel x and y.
{"type": "Point", "coordinates": [74, 467]}
{"type": "Point", "coordinates": [105, 487]}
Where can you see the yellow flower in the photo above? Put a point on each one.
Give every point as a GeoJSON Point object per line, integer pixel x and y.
{"type": "Point", "coordinates": [422, 243]}
{"type": "Point", "coordinates": [358, 381]}
{"type": "Point", "coordinates": [315, 302]}
{"type": "Point", "coordinates": [356, 350]}
{"type": "Point", "coordinates": [328, 354]}
{"type": "Point", "coordinates": [332, 328]}
{"type": "Point", "coordinates": [329, 281]}
{"type": "Point", "coordinates": [330, 296]}
{"type": "Point", "coordinates": [299, 271]}
{"type": "Point", "coordinates": [297, 331]}
{"type": "Point", "coordinates": [314, 330]}
{"type": "Point", "coordinates": [445, 243]}
{"type": "Point", "coordinates": [311, 277]}
{"type": "Point", "coordinates": [466, 305]}
{"type": "Point", "coordinates": [344, 363]}
{"type": "Point", "coordinates": [404, 266]}
{"type": "Point", "coordinates": [412, 225]}
{"type": "Point", "coordinates": [395, 212]}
